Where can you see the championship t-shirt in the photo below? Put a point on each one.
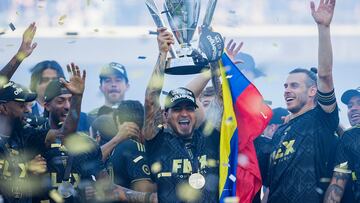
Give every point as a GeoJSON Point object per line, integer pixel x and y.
{"type": "Point", "coordinates": [173, 160]}
{"type": "Point", "coordinates": [300, 161]}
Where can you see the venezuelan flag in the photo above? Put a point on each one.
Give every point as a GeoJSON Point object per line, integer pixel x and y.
{"type": "Point", "coordinates": [245, 117]}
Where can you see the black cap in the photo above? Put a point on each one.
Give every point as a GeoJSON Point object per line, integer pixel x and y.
{"type": "Point", "coordinates": [277, 114]}
{"type": "Point", "coordinates": [54, 89]}
{"type": "Point", "coordinates": [113, 68]}
{"type": "Point", "coordinates": [178, 95]}
{"type": "Point", "coordinates": [16, 92]}
{"type": "Point", "coordinates": [345, 98]}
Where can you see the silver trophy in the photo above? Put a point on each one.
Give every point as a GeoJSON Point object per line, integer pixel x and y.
{"type": "Point", "coordinates": [183, 17]}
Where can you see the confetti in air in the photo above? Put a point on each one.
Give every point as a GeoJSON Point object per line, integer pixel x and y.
{"type": "Point", "coordinates": [153, 32]}
{"type": "Point", "coordinates": [79, 143]}
{"type": "Point", "coordinates": [156, 167]}
{"type": "Point", "coordinates": [12, 26]}
{"type": "Point", "coordinates": [187, 193]}
{"type": "Point", "coordinates": [62, 19]}
{"type": "Point", "coordinates": [231, 200]}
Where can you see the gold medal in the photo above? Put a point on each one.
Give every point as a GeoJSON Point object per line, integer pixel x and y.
{"type": "Point", "coordinates": [197, 181]}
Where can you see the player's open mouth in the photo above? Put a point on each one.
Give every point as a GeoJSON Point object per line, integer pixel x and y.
{"type": "Point", "coordinates": [184, 122]}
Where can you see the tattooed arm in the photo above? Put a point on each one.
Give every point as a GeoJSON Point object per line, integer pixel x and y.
{"type": "Point", "coordinates": [336, 188]}
{"type": "Point", "coordinates": [26, 48]}
{"type": "Point", "coordinates": [153, 113]}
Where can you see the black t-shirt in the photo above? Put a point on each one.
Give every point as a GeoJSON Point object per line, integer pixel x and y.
{"type": "Point", "coordinates": [128, 163]}
{"type": "Point", "coordinates": [171, 165]}
{"type": "Point", "coordinates": [348, 161]}
{"type": "Point", "coordinates": [84, 168]}
{"type": "Point", "coordinates": [301, 157]}
{"type": "Point", "coordinates": [15, 151]}
{"type": "Point", "coordinates": [263, 147]}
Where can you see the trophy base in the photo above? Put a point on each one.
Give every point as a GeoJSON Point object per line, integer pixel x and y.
{"type": "Point", "coordinates": [184, 66]}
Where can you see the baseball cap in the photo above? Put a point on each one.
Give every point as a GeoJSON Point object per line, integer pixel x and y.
{"type": "Point", "coordinates": [277, 114]}
{"type": "Point", "coordinates": [178, 95]}
{"type": "Point", "coordinates": [248, 64]}
{"type": "Point", "coordinates": [54, 89]}
{"type": "Point", "coordinates": [345, 98]}
{"type": "Point", "coordinates": [16, 92]}
{"type": "Point", "coordinates": [113, 68]}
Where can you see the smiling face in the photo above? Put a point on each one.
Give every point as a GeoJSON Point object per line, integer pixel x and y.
{"type": "Point", "coordinates": [354, 110]}
{"type": "Point", "coordinates": [16, 110]}
{"type": "Point", "coordinates": [58, 108]}
{"type": "Point", "coordinates": [181, 118]}
{"type": "Point", "coordinates": [297, 94]}
{"type": "Point", "coordinates": [114, 88]}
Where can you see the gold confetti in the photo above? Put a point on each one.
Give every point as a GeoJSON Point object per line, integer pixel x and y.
{"type": "Point", "coordinates": [156, 167]}
{"type": "Point", "coordinates": [21, 56]}
{"type": "Point", "coordinates": [62, 19]}
{"type": "Point", "coordinates": [3, 80]}
{"type": "Point", "coordinates": [54, 195]}
{"type": "Point", "coordinates": [79, 143]}
{"type": "Point", "coordinates": [208, 128]}
{"type": "Point", "coordinates": [187, 193]}
{"type": "Point", "coordinates": [231, 200]}
{"type": "Point", "coordinates": [157, 82]}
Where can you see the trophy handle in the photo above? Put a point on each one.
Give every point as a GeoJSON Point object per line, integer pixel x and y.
{"type": "Point", "coordinates": [158, 21]}
{"type": "Point", "coordinates": [209, 13]}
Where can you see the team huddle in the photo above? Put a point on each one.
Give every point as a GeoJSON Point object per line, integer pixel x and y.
{"type": "Point", "coordinates": [133, 151]}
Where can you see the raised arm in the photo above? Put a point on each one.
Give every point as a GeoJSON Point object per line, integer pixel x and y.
{"type": "Point", "coordinates": [323, 16]}
{"type": "Point", "coordinates": [153, 114]}
{"type": "Point", "coordinates": [26, 48]}
{"type": "Point", "coordinates": [76, 87]}
{"type": "Point", "coordinates": [336, 188]}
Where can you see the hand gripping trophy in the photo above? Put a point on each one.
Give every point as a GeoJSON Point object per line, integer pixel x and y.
{"type": "Point", "coordinates": [183, 16]}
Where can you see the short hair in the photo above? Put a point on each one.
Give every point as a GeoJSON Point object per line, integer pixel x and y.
{"type": "Point", "coordinates": [38, 69]}
{"type": "Point", "coordinates": [312, 78]}
{"type": "Point", "coordinates": [130, 111]}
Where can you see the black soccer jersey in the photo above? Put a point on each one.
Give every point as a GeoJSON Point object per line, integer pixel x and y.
{"type": "Point", "coordinates": [348, 160]}
{"type": "Point", "coordinates": [128, 163]}
{"type": "Point", "coordinates": [300, 159]}
{"type": "Point", "coordinates": [85, 167]}
{"type": "Point", "coordinates": [15, 151]}
{"type": "Point", "coordinates": [172, 163]}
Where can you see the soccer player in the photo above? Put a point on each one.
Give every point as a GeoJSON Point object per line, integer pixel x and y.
{"type": "Point", "coordinates": [347, 169]}
{"type": "Point", "coordinates": [181, 157]}
{"type": "Point", "coordinates": [299, 162]}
